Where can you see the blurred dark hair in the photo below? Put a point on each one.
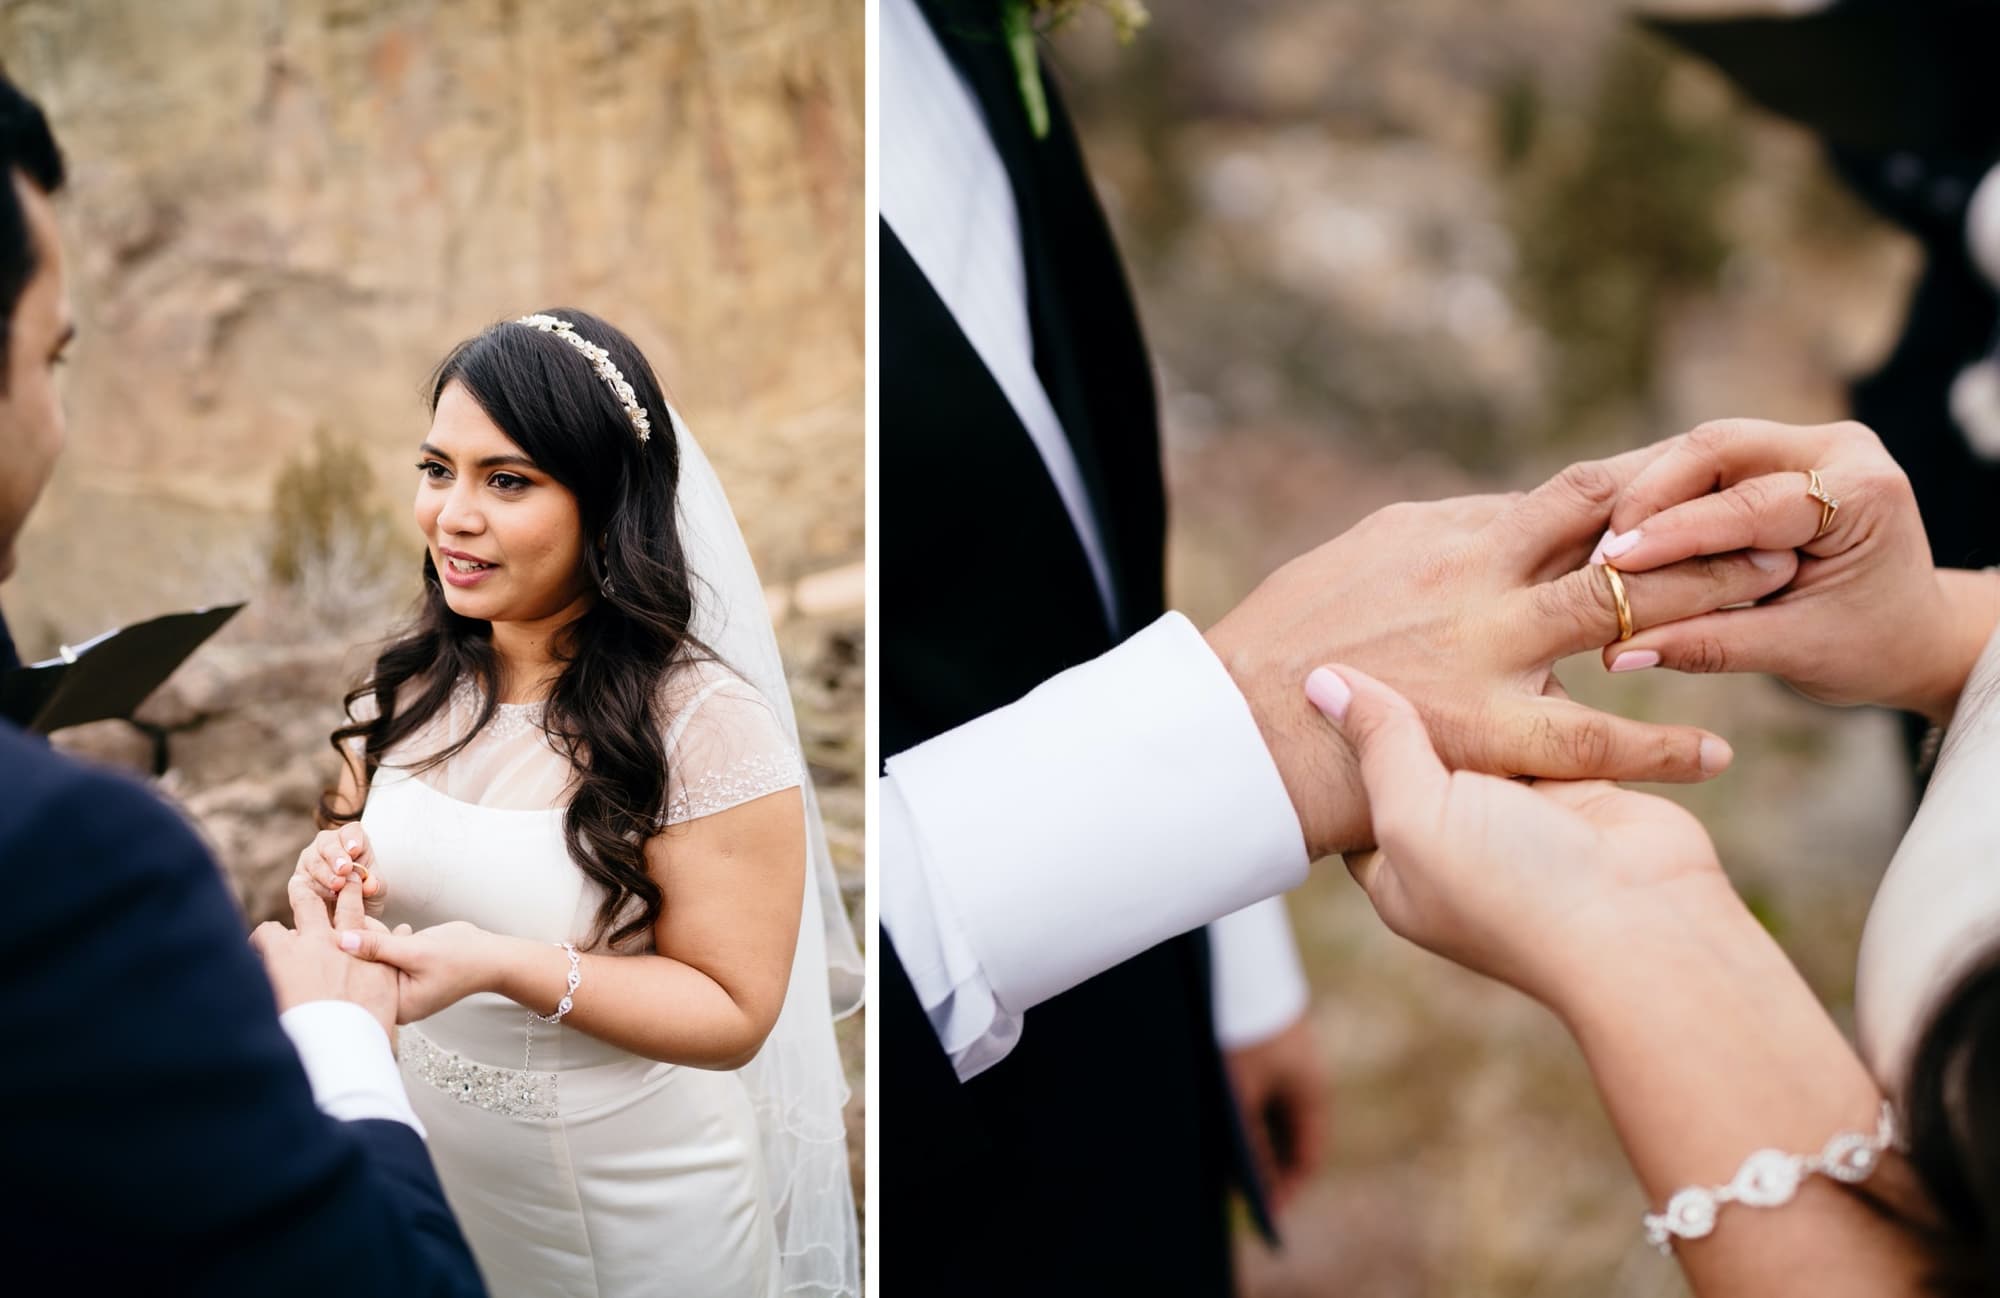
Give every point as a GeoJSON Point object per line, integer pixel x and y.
{"type": "Point", "coordinates": [29, 149]}
{"type": "Point", "coordinates": [1951, 1118]}
{"type": "Point", "coordinates": [607, 709]}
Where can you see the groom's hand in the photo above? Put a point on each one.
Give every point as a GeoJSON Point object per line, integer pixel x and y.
{"type": "Point", "coordinates": [1281, 1088]}
{"type": "Point", "coordinates": [306, 963]}
{"type": "Point", "coordinates": [1464, 606]}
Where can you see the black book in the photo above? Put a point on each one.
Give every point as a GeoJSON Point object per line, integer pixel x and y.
{"type": "Point", "coordinates": [109, 676]}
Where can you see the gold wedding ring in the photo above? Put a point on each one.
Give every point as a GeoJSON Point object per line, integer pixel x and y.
{"type": "Point", "coordinates": [1623, 605]}
{"type": "Point", "coordinates": [1828, 506]}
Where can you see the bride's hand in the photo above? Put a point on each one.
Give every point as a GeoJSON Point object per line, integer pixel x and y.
{"type": "Point", "coordinates": [337, 857]}
{"type": "Point", "coordinates": [436, 967]}
{"type": "Point", "coordinates": [1527, 883]}
{"type": "Point", "coordinates": [1465, 605]}
{"type": "Point", "coordinates": [1868, 619]}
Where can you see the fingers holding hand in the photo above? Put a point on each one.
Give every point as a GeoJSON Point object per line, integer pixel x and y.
{"type": "Point", "coordinates": [1405, 780]}
{"type": "Point", "coordinates": [1772, 512]}
{"type": "Point", "coordinates": [1720, 454]}
{"type": "Point", "coordinates": [1579, 610]}
{"type": "Point", "coordinates": [1760, 474]}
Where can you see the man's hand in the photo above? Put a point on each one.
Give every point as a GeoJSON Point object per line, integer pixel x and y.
{"type": "Point", "coordinates": [307, 964]}
{"type": "Point", "coordinates": [1465, 605]}
{"type": "Point", "coordinates": [1282, 1090]}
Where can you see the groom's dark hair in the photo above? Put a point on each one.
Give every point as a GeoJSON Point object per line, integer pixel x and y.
{"type": "Point", "coordinates": [27, 149]}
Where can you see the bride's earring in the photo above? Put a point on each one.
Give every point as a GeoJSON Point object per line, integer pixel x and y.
{"type": "Point", "coordinates": [604, 581]}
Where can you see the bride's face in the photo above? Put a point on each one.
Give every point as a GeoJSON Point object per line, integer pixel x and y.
{"type": "Point", "coordinates": [507, 538]}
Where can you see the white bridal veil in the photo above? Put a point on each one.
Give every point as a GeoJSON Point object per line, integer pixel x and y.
{"type": "Point", "coordinates": [795, 1081]}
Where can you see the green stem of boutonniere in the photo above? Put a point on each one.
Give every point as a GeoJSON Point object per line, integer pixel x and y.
{"type": "Point", "coordinates": [1017, 23]}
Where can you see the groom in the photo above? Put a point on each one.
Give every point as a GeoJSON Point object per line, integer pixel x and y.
{"type": "Point", "coordinates": [163, 1135]}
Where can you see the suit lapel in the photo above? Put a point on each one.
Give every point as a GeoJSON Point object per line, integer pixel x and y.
{"type": "Point", "coordinates": [1046, 215]}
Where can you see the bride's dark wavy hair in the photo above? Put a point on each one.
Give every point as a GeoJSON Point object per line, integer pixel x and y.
{"type": "Point", "coordinates": [606, 711]}
{"type": "Point", "coordinates": [1951, 1113]}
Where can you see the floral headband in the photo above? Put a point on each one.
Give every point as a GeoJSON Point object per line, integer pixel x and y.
{"type": "Point", "coordinates": [600, 360]}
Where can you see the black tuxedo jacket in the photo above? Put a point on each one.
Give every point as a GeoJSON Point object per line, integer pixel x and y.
{"type": "Point", "coordinates": [1095, 1158]}
{"type": "Point", "coordinates": [162, 1138]}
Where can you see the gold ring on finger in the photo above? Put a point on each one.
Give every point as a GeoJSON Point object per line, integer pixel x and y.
{"type": "Point", "coordinates": [1828, 505]}
{"type": "Point", "coordinates": [1618, 600]}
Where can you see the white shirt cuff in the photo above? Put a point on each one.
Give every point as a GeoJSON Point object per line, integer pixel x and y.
{"type": "Point", "coordinates": [348, 1061]}
{"type": "Point", "coordinates": [1119, 804]}
{"type": "Point", "coordinates": [936, 956]}
{"type": "Point", "coordinates": [1259, 984]}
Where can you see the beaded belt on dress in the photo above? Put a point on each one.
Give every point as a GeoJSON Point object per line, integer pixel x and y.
{"type": "Point", "coordinates": [510, 1092]}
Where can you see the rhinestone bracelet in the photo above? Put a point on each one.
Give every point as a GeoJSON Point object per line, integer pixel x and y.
{"type": "Point", "coordinates": [568, 1001]}
{"type": "Point", "coordinates": [1770, 1178]}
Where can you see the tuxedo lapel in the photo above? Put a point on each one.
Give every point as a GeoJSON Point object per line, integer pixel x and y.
{"type": "Point", "coordinates": [1089, 353]}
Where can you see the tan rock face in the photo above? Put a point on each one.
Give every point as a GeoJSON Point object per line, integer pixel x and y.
{"type": "Point", "coordinates": [282, 217]}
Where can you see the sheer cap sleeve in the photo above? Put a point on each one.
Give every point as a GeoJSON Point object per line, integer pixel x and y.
{"type": "Point", "coordinates": [726, 746]}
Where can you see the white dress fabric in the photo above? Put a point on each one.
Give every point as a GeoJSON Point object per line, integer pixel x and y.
{"type": "Point", "coordinates": [1937, 912]}
{"type": "Point", "coordinates": [575, 1167]}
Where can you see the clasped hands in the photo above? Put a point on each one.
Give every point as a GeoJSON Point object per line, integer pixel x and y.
{"type": "Point", "coordinates": [1398, 670]}
{"type": "Point", "coordinates": [338, 950]}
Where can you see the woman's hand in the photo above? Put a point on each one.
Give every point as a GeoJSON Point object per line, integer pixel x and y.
{"type": "Point", "coordinates": [439, 966]}
{"type": "Point", "coordinates": [1465, 605]}
{"type": "Point", "coordinates": [1868, 618]}
{"type": "Point", "coordinates": [338, 857]}
{"type": "Point", "coordinates": [1529, 884]}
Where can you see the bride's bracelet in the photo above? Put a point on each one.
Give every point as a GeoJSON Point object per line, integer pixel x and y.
{"type": "Point", "coordinates": [568, 1001]}
{"type": "Point", "coordinates": [1770, 1178]}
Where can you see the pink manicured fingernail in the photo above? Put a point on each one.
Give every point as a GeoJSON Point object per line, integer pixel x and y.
{"type": "Point", "coordinates": [1620, 543]}
{"type": "Point", "coordinates": [1635, 660]}
{"type": "Point", "coordinates": [351, 940]}
{"type": "Point", "coordinates": [1771, 560]}
{"type": "Point", "coordinates": [342, 865]}
{"type": "Point", "coordinates": [1597, 555]}
{"type": "Point", "coordinates": [1715, 755]}
{"type": "Point", "coordinates": [1328, 693]}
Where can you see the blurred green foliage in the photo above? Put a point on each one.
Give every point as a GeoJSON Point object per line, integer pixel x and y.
{"type": "Point", "coordinates": [1614, 227]}
{"type": "Point", "coordinates": [324, 517]}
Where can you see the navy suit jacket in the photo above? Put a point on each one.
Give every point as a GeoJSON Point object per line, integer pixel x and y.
{"type": "Point", "coordinates": [161, 1136]}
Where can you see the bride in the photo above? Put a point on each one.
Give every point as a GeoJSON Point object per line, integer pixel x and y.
{"type": "Point", "coordinates": [574, 788]}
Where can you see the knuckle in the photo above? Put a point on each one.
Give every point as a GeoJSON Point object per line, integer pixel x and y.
{"type": "Point", "coordinates": [1703, 655]}
{"type": "Point", "coordinates": [1590, 744]}
{"type": "Point", "coordinates": [1571, 600]}
{"type": "Point", "coordinates": [1591, 482]}
{"type": "Point", "coordinates": [1853, 430]}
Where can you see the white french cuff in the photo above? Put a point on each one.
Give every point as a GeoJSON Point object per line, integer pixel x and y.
{"type": "Point", "coordinates": [1119, 804]}
{"type": "Point", "coordinates": [348, 1062]}
{"type": "Point", "coordinates": [1770, 1178]}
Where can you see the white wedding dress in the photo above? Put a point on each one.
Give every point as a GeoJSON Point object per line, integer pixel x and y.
{"type": "Point", "coordinates": [1937, 912]}
{"type": "Point", "coordinates": [575, 1167]}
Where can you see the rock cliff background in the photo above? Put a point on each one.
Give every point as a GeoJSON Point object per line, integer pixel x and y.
{"type": "Point", "coordinates": [282, 215]}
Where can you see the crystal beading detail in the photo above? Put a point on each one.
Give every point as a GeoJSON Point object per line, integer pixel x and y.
{"type": "Point", "coordinates": [737, 783]}
{"type": "Point", "coordinates": [600, 360]}
{"type": "Point", "coordinates": [510, 1092]}
{"type": "Point", "coordinates": [1770, 1178]}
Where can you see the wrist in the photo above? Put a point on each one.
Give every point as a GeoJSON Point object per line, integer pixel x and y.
{"type": "Point", "coordinates": [1656, 948]}
{"type": "Point", "coordinates": [1971, 603]}
{"type": "Point", "coordinates": [1317, 767]}
{"type": "Point", "coordinates": [507, 965]}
